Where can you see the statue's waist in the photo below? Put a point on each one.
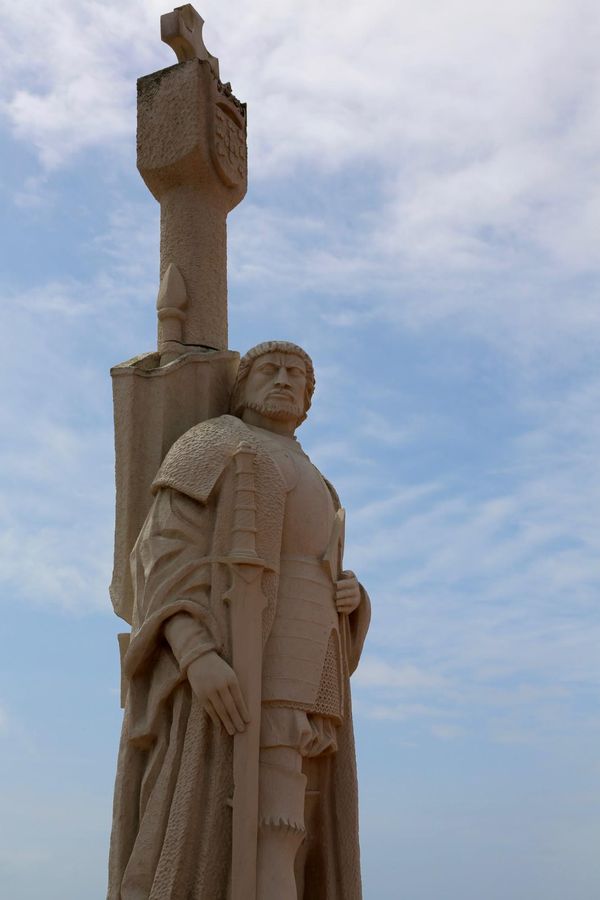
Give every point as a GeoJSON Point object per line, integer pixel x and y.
{"type": "Point", "coordinates": [308, 569]}
{"type": "Point", "coordinates": [304, 633]}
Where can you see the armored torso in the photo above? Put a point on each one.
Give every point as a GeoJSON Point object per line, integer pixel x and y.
{"type": "Point", "coordinates": [302, 661]}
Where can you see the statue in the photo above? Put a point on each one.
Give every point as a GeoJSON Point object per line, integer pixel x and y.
{"type": "Point", "coordinates": [236, 776]}
{"type": "Point", "coordinates": [172, 824]}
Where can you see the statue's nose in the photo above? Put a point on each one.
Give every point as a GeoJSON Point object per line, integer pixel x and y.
{"type": "Point", "coordinates": [282, 378]}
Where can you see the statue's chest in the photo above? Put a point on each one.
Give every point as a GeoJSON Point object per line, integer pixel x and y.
{"type": "Point", "coordinates": [309, 509]}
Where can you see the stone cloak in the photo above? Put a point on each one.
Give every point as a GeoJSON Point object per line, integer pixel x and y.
{"type": "Point", "coordinates": [171, 837]}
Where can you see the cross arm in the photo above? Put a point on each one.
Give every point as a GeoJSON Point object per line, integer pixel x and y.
{"type": "Point", "coordinates": [182, 30]}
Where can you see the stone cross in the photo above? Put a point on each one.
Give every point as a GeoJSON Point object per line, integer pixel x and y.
{"type": "Point", "coordinates": [191, 152]}
{"type": "Point", "coordinates": [182, 30]}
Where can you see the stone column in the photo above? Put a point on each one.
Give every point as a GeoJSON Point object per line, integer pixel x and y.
{"type": "Point", "coordinates": [191, 152]}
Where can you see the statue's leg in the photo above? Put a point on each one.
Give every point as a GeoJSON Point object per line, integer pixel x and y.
{"type": "Point", "coordinates": [281, 822]}
{"type": "Point", "coordinates": [310, 850]}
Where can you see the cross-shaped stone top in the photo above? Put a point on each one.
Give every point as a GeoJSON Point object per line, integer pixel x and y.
{"type": "Point", "coordinates": [182, 30]}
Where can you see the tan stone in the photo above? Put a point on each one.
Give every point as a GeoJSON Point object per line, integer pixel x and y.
{"type": "Point", "coordinates": [191, 152]}
{"type": "Point", "coordinates": [171, 306]}
{"type": "Point", "coordinates": [153, 406]}
{"type": "Point", "coordinates": [237, 776]}
{"type": "Point", "coordinates": [182, 30]}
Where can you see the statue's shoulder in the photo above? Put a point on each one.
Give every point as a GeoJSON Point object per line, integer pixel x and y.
{"type": "Point", "coordinates": [196, 460]}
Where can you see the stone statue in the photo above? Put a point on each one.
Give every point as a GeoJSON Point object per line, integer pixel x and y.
{"type": "Point", "coordinates": [236, 777]}
{"type": "Point", "coordinates": [172, 816]}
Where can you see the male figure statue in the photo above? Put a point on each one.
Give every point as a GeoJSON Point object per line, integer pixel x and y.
{"type": "Point", "coordinates": [172, 815]}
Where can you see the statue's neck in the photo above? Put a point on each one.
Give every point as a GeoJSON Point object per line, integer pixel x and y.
{"type": "Point", "coordinates": [276, 426]}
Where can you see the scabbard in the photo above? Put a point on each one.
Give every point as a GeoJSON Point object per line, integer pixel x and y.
{"type": "Point", "coordinates": [247, 602]}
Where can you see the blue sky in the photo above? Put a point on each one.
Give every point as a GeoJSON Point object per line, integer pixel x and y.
{"type": "Point", "coordinates": [423, 216]}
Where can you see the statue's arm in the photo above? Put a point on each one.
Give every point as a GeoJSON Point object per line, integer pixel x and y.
{"type": "Point", "coordinates": [188, 639]}
{"type": "Point", "coordinates": [211, 678]}
{"type": "Point", "coordinates": [171, 567]}
{"type": "Point", "coordinates": [352, 601]}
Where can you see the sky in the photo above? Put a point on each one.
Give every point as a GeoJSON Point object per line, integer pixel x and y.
{"type": "Point", "coordinates": [423, 217]}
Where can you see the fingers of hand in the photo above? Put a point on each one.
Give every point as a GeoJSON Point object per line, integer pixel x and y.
{"type": "Point", "coordinates": [348, 582]}
{"type": "Point", "coordinates": [211, 712]}
{"type": "Point", "coordinates": [227, 704]}
{"type": "Point", "coordinates": [345, 607]}
{"type": "Point", "coordinates": [222, 713]}
{"type": "Point", "coordinates": [234, 713]}
{"type": "Point", "coordinates": [347, 595]}
{"type": "Point", "coordinates": [239, 701]}
{"type": "Point", "coordinates": [216, 687]}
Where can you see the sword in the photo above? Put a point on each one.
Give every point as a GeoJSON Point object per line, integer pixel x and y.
{"type": "Point", "coordinates": [247, 602]}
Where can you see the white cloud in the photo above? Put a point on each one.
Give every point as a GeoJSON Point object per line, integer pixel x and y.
{"type": "Point", "coordinates": [477, 116]}
{"type": "Point", "coordinates": [56, 511]}
{"type": "Point", "coordinates": [55, 540]}
{"type": "Point", "coordinates": [490, 587]}
{"type": "Point", "coordinates": [465, 135]}
{"type": "Point", "coordinates": [377, 673]}
{"type": "Point", "coordinates": [447, 732]}
{"type": "Point", "coordinates": [67, 85]}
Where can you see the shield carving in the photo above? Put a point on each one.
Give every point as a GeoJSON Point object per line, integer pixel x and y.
{"type": "Point", "coordinates": [229, 144]}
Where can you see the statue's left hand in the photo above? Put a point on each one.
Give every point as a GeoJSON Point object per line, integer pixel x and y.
{"type": "Point", "coordinates": [347, 594]}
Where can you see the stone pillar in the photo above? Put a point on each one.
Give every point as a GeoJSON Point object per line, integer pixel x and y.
{"type": "Point", "coordinates": [191, 152]}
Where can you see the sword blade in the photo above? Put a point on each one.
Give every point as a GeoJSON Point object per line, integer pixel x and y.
{"type": "Point", "coordinates": [247, 603]}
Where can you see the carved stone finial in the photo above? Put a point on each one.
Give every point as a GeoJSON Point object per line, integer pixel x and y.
{"type": "Point", "coordinates": [170, 304]}
{"type": "Point", "coordinates": [182, 30]}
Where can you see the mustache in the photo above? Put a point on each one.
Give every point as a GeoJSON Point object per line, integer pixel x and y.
{"type": "Point", "coordinates": [277, 409]}
{"type": "Point", "coordinates": [281, 392]}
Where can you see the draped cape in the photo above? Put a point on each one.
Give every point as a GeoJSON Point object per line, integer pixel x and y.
{"type": "Point", "coordinates": [171, 835]}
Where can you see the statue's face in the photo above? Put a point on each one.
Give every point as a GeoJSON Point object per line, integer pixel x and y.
{"type": "Point", "coordinates": [276, 385]}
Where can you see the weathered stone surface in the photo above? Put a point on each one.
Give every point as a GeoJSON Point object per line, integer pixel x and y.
{"type": "Point", "coordinates": [191, 152]}
{"type": "Point", "coordinates": [237, 764]}
{"type": "Point", "coordinates": [182, 30]}
{"type": "Point", "coordinates": [153, 406]}
{"type": "Point", "coordinates": [236, 777]}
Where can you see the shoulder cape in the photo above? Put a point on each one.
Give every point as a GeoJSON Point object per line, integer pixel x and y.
{"type": "Point", "coordinates": [198, 458]}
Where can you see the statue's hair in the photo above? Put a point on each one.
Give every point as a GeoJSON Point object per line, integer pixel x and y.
{"type": "Point", "coordinates": [237, 396]}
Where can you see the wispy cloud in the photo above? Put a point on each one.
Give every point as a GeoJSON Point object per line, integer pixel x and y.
{"type": "Point", "coordinates": [56, 510]}
{"type": "Point", "coordinates": [458, 193]}
{"type": "Point", "coordinates": [489, 587]}
{"type": "Point", "coordinates": [424, 214]}
{"type": "Point", "coordinates": [375, 672]}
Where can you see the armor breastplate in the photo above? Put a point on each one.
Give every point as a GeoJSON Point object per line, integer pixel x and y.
{"type": "Point", "coordinates": [302, 661]}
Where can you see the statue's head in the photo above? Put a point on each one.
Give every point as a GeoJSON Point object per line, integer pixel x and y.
{"type": "Point", "coordinates": [275, 379]}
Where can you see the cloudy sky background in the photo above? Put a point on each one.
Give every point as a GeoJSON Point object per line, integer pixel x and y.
{"type": "Point", "coordinates": [424, 217]}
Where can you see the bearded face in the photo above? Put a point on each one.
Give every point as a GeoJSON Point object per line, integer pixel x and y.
{"type": "Point", "coordinates": [276, 386]}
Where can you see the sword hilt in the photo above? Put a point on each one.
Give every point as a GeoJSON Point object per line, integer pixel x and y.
{"type": "Point", "coordinates": [243, 542]}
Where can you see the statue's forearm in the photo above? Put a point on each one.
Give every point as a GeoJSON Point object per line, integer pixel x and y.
{"type": "Point", "coordinates": [188, 638]}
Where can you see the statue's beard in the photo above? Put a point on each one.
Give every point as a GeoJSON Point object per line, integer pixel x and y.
{"type": "Point", "coordinates": [280, 410]}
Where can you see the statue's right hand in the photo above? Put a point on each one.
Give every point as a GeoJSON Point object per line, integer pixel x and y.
{"type": "Point", "coordinates": [215, 685]}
